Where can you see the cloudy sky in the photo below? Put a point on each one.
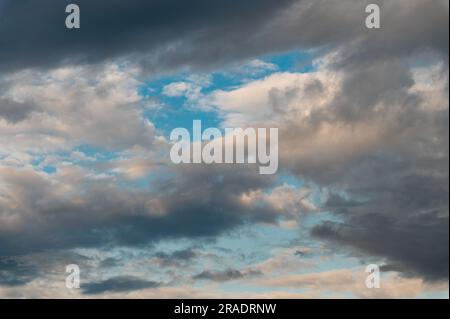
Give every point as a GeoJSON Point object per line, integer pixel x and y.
{"type": "Point", "coordinates": [86, 178]}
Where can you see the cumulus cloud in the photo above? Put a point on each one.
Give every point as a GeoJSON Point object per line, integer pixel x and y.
{"type": "Point", "coordinates": [71, 106]}
{"type": "Point", "coordinates": [378, 133]}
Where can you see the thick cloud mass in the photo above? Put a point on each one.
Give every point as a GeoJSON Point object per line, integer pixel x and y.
{"type": "Point", "coordinates": [102, 214]}
{"type": "Point", "coordinates": [199, 33]}
{"type": "Point", "coordinates": [375, 133]}
{"type": "Point", "coordinates": [170, 30]}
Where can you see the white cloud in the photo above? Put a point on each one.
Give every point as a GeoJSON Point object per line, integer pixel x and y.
{"type": "Point", "coordinates": [268, 99]}
{"type": "Point", "coordinates": [76, 105]}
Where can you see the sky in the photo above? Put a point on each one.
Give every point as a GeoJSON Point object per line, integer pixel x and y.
{"type": "Point", "coordinates": [86, 177]}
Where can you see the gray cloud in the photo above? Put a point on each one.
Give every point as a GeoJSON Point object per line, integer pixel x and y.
{"type": "Point", "coordinates": [168, 29]}
{"type": "Point", "coordinates": [171, 34]}
{"type": "Point", "coordinates": [418, 244]}
{"type": "Point", "coordinates": [175, 257]}
{"type": "Point", "coordinates": [398, 200]}
{"type": "Point", "coordinates": [118, 284]}
{"type": "Point", "coordinates": [14, 112]}
{"type": "Point", "coordinates": [109, 215]}
{"type": "Point", "coordinates": [16, 273]}
{"type": "Point", "coordinates": [226, 275]}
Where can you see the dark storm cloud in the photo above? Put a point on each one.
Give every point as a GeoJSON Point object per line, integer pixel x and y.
{"type": "Point", "coordinates": [32, 35]}
{"type": "Point", "coordinates": [117, 284]}
{"type": "Point", "coordinates": [173, 33]}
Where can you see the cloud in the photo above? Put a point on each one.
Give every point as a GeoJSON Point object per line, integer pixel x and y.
{"type": "Point", "coordinates": [370, 133]}
{"type": "Point", "coordinates": [288, 200]}
{"type": "Point", "coordinates": [170, 34]}
{"type": "Point", "coordinates": [337, 283]}
{"type": "Point", "coordinates": [117, 284]}
{"type": "Point", "coordinates": [267, 100]}
{"type": "Point", "coordinates": [225, 275]}
{"type": "Point", "coordinates": [71, 106]}
{"type": "Point", "coordinates": [175, 258]}
{"type": "Point", "coordinates": [16, 273]}
{"type": "Point", "coordinates": [416, 243]}
{"type": "Point", "coordinates": [14, 112]}
{"type": "Point", "coordinates": [36, 209]}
